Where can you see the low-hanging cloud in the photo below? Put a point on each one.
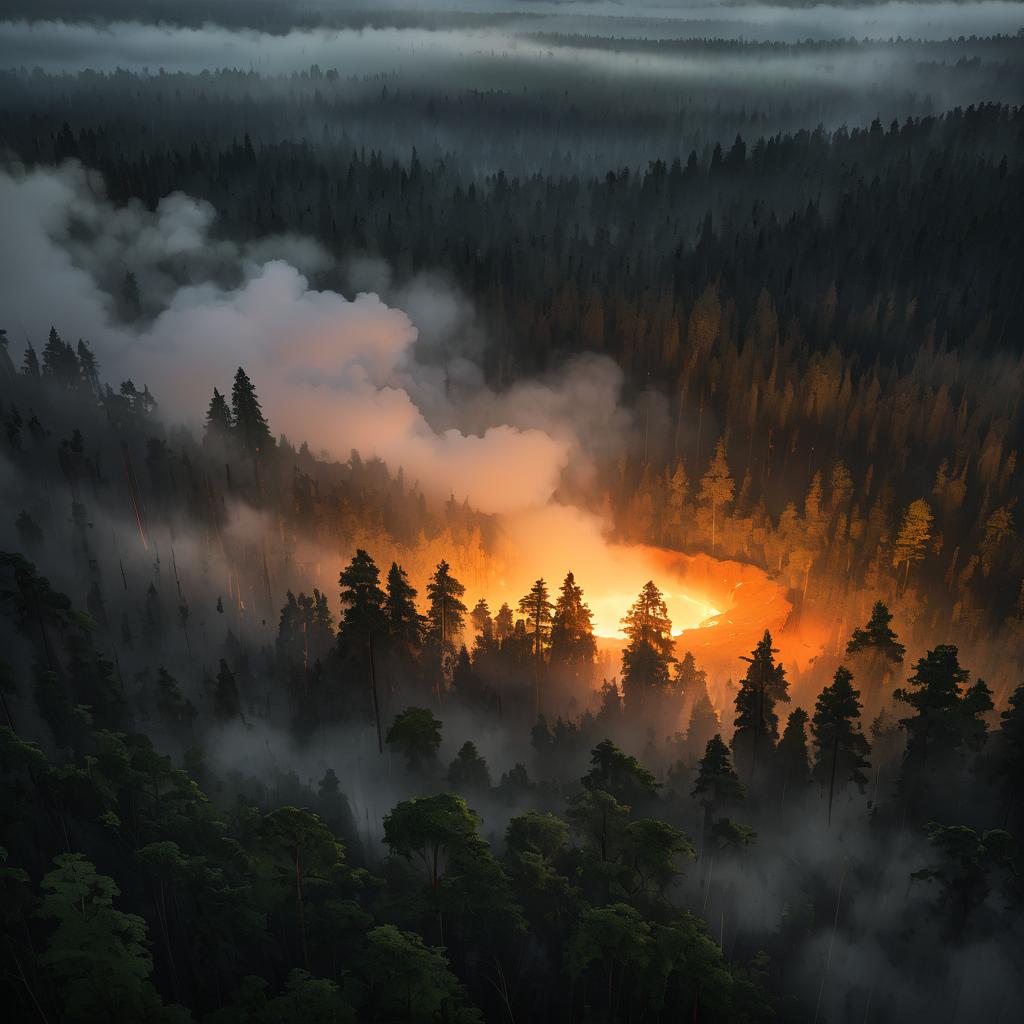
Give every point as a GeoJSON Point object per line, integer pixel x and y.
{"type": "Point", "coordinates": [338, 373]}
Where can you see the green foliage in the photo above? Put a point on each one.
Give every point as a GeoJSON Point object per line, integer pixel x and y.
{"type": "Point", "coordinates": [400, 978]}
{"type": "Point", "coordinates": [96, 955]}
{"type": "Point", "coordinates": [534, 832]}
{"type": "Point", "coordinates": [655, 851]}
{"type": "Point", "coordinates": [362, 600]}
{"type": "Point", "coordinates": [416, 734]}
{"type": "Point", "coordinates": [431, 830]}
{"type": "Point", "coordinates": [600, 820]}
{"type": "Point", "coordinates": [619, 774]}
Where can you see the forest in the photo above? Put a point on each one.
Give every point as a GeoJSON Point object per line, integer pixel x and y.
{"type": "Point", "coordinates": [510, 513]}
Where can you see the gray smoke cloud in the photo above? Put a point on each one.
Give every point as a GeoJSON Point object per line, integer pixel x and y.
{"type": "Point", "coordinates": [337, 372]}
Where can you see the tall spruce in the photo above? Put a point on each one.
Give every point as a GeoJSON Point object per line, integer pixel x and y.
{"type": "Point", "coordinates": [250, 426]}
{"type": "Point", "coordinates": [537, 608]}
{"type": "Point", "coordinates": [791, 758]}
{"type": "Point", "coordinates": [572, 628]}
{"type": "Point", "coordinates": [756, 724]}
{"type": "Point", "coordinates": [217, 427]}
{"type": "Point", "coordinates": [446, 616]}
{"type": "Point", "coordinates": [948, 715]}
{"type": "Point", "coordinates": [648, 654]}
{"type": "Point", "coordinates": [841, 747]}
{"type": "Point", "coordinates": [404, 622]}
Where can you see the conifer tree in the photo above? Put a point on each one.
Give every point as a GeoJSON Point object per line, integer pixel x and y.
{"type": "Point", "coordinates": [948, 718]}
{"type": "Point", "coordinates": [250, 426]}
{"type": "Point", "coordinates": [688, 680]}
{"type": "Point", "coordinates": [30, 366]}
{"type": "Point", "coordinates": [362, 600]}
{"type": "Point", "coordinates": [756, 723]}
{"type": "Point", "coordinates": [620, 774]}
{"type": "Point", "coordinates": [60, 363]}
{"type": "Point", "coordinates": [841, 747]}
{"type": "Point", "coordinates": [89, 368]}
{"type": "Point", "coordinates": [914, 534]}
{"type": "Point", "coordinates": [648, 655]}
{"type": "Point", "coordinates": [446, 615]}
{"type": "Point", "coordinates": [537, 608]}
{"type": "Point", "coordinates": [794, 768]}
{"type": "Point", "coordinates": [218, 420]}
{"type": "Point", "coordinates": [878, 636]}
{"type": "Point", "coordinates": [503, 624]}
{"type": "Point", "coordinates": [717, 784]}
{"type": "Point", "coordinates": [404, 622]}
{"type": "Point", "coordinates": [572, 629]}
{"type": "Point", "coordinates": [717, 486]}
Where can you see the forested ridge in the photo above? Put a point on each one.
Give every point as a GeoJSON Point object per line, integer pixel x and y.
{"type": "Point", "coordinates": [163, 881]}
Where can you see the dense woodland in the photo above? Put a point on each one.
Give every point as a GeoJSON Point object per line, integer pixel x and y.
{"type": "Point", "coordinates": [269, 749]}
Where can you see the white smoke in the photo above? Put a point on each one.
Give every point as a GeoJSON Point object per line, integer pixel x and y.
{"type": "Point", "coordinates": [336, 372]}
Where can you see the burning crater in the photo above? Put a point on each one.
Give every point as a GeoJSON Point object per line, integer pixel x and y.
{"type": "Point", "coordinates": [719, 608]}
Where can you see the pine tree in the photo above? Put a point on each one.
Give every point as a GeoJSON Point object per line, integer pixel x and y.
{"type": "Point", "coordinates": [218, 420]}
{"type": "Point", "coordinates": [446, 615]}
{"type": "Point", "coordinates": [842, 748]}
{"type": "Point", "coordinates": [250, 427]}
{"type": "Point", "coordinates": [538, 611]}
{"type": "Point", "coordinates": [404, 623]}
{"type": "Point", "coordinates": [60, 362]}
{"type": "Point", "coordinates": [913, 536]}
{"type": "Point", "coordinates": [791, 758]}
{"type": "Point", "coordinates": [688, 680]}
{"type": "Point", "coordinates": [30, 367]}
{"type": "Point", "coordinates": [572, 629]}
{"type": "Point", "coordinates": [89, 369]}
{"type": "Point", "coordinates": [878, 636]}
{"type": "Point", "coordinates": [362, 600]}
{"type": "Point", "coordinates": [503, 624]}
{"type": "Point", "coordinates": [763, 686]}
{"type": "Point", "coordinates": [717, 486]}
{"type": "Point", "coordinates": [648, 655]}
{"type": "Point", "coordinates": [678, 489]}
{"type": "Point", "coordinates": [949, 717]}
{"type": "Point", "coordinates": [717, 784]}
